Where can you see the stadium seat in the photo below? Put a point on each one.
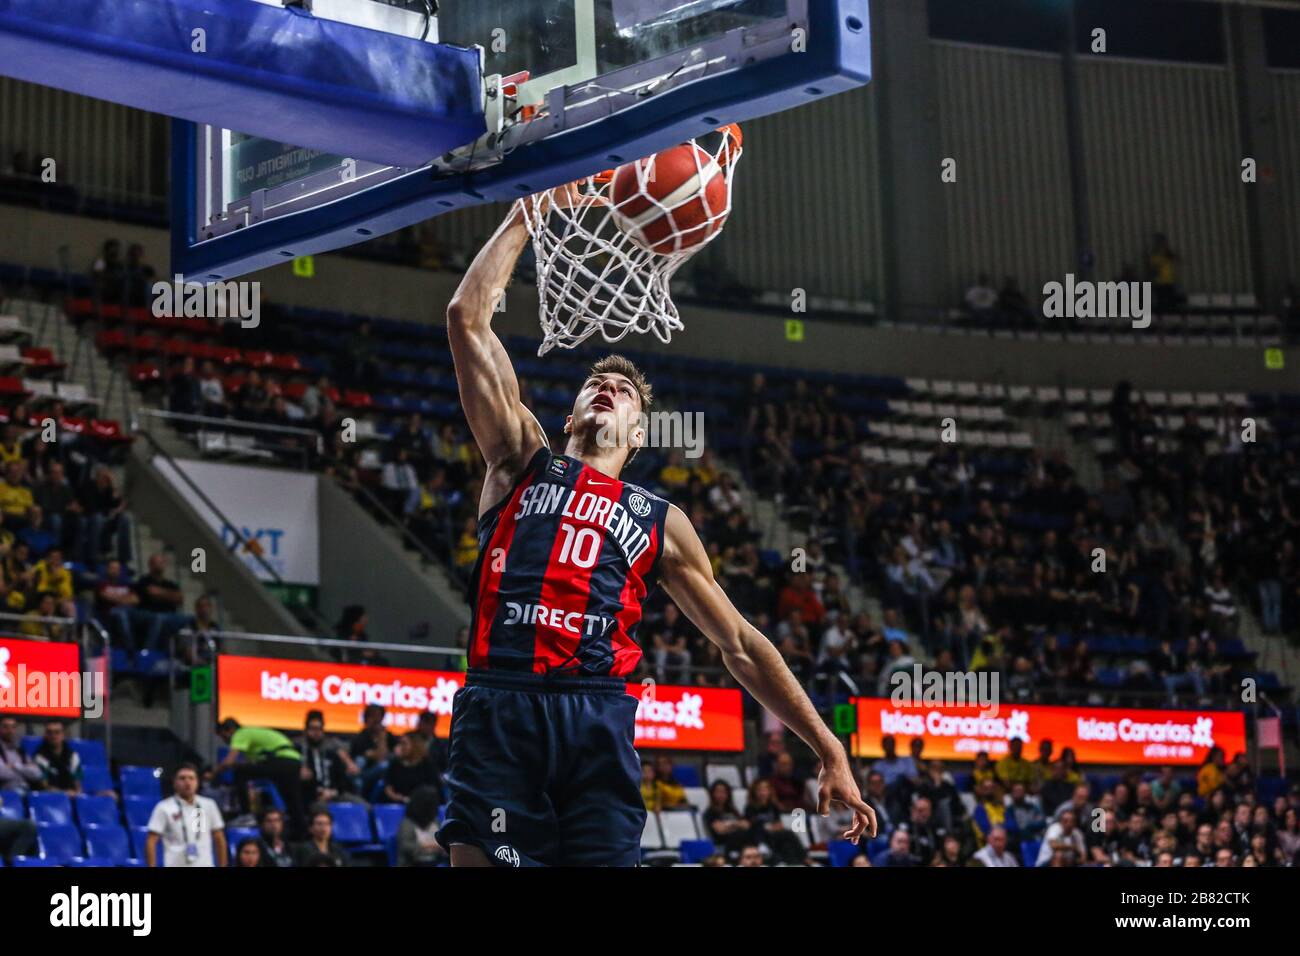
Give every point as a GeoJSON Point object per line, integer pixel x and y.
{"type": "Point", "coordinates": [695, 851]}
{"type": "Point", "coordinates": [727, 772]}
{"type": "Point", "coordinates": [96, 811]}
{"type": "Point", "coordinates": [388, 817]}
{"type": "Point", "coordinates": [32, 861]}
{"type": "Point", "coordinates": [687, 775]}
{"type": "Point", "coordinates": [842, 852]}
{"type": "Point", "coordinates": [92, 861]}
{"type": "Point", "coordinates": [1029, 851]}
{"type": "Point", "coordinates": [352, 826]}
{"type": "Point", "coordinates": [237, 835]}
{"type": "Point", "coordinates": [91, 752]}
{"type": "Point", "coordinates": [49, 808]}
{"type": "Point", "coordinates": [96, 780]}
{"type": "Point", "coordinates": [139, 836]}
{"type": "Point", "coordinates": [138, 810]}
{"type": "Point", "coordinates": [651, 837]}
{"type": "Point", "coordinates": [698, 797]}
{"type": "Point", "coordinates": [676, 826]}
{"type": "Point", "coordinates": [141, 782]}
{"type": "Point", "coordinates": [272, 793]}
{"type": "Point", "coordinates": [11, 811]}
{"type": "Point", "coordinates": [14, 800]}
{"type": "Point", "coordinates": [60, 842]}
{"type": "Point", "coordinates": [110, 843]}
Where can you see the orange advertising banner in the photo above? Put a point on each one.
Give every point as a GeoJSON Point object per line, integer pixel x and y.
{"type": "Point", "coordinates": [40, 679]}
{"type": "Point", "coordinates": [1109, 735]}
{"type": "Point", "coordinates": [273, 692]}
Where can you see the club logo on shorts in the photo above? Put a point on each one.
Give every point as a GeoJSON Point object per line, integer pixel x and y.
{"type": "Point", "coordinates": [638, 504]}
{"type": "Point", "coordinates": [508, 855]}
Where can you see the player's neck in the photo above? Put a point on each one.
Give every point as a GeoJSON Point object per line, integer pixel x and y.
{"type": "Point", "coordinates": [607, 461]}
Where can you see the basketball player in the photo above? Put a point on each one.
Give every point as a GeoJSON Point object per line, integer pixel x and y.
{"type": "Point", "coordinates": [542, 768]}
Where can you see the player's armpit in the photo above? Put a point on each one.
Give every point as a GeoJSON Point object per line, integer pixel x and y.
{"type": "Point", "coordinates": [503, 428]}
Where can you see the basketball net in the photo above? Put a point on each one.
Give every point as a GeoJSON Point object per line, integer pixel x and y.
{"type": "Point", "coordinates": [596, 272]}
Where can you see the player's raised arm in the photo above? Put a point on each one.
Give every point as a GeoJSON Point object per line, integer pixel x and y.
{"type": "Point", "coordinates": [688, 579]}
{"type": "Point", "coordinates": [506, 432]}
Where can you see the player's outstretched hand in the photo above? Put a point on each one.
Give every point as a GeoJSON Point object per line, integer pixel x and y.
{"type": "Point", "coordinates": [568, 196]}
{"type": "Point", "coordinates": [835, 782]}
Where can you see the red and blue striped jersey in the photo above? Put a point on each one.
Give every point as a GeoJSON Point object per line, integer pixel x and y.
{"type": "Point", "coordinates": [564, 564]}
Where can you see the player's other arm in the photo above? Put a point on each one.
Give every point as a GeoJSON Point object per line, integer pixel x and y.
{"type": "Point", "coordinates": [688, 579]}
{"type": "Point", "coordinates": [504, 429]}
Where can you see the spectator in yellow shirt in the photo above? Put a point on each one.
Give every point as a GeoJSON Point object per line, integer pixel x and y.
{"type": "Point", "coordinates": [983, 770]}
{"type": "Point", "coordinates": [675, 474]}
{"type": "Point", "coordinates": [11, 448]}
{"type": "Point", "coordinates": [15, 497]}
{"type": "Point", "coordinates": [1014, 768]}
{"type": "Point", "coordinates": [466, 548]}
{"type": "Point", "coordinates": [51, 577]}
{"type": "Point", "coordinates": [43, 630]}
{"type": "Point", "coordinates": [1211, 776]}
{"type": "Point", "coordinates": [671, 793]}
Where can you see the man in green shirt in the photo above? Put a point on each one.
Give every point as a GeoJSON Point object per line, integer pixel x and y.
{"type": "Point", "coordinates": [268, 755]}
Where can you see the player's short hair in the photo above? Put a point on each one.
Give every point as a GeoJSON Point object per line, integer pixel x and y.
{"type": "Point", "coordinates": [618, 365]}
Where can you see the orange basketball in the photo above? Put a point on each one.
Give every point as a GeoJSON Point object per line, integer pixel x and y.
{"type": "Point", "coordinates": [671, 202]}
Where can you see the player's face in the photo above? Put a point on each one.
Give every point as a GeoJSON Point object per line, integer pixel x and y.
{"type": "Point", "coordinates": [608, 405]}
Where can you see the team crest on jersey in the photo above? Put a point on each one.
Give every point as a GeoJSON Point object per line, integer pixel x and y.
{"type": "Point", "coordinates": [638, 505]}
{"type": "Point", "coordinates": [558, 467]}
{"type": "Point", "coordinates": [508, 855]}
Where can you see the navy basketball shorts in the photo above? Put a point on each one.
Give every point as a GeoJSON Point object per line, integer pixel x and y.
{"type": "Point", "coordinates": [544, 771]}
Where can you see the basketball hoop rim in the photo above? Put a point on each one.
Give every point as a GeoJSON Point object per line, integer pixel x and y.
{"type": "Point", "coordinates": [724, 155]}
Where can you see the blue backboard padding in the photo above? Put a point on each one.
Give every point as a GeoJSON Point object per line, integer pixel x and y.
{"type": "Point", "coordinates": [268, 71]}
{"type": "Point", "coordinates": [837, 60]}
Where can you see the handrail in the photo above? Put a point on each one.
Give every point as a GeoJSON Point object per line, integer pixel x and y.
{"type": "Point", "coordinates": [224, 422]}
{"type": "Point", "coordinates": [408, 536]}
{"type": "Point", "coordinates": [320, 642]}
{"type": "Point", "coordinates": [247, 543]}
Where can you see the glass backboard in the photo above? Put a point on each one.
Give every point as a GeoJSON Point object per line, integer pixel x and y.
{"type": "Point", "coordinates": [569, 88]}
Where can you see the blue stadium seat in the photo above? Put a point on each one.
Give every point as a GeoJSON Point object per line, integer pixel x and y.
{"type": "Point", "coordinates": [30, 744]}
{"type": "Point", "coordinates": [96, 811]}
{"type": "Point", "coordinates": [11, 811]}
{"type": "Point", "coordinates": [694, 851]}
{"type": "Point", "coordinates": [52, 808]}
{"type": "Point", "coordinates": [1029, 851]}
{"type": "Point", "coordinates": [352, 826]}
{"type": "Point", "coordinates": [60, 842]}
{"type": "Point", "coordinates": [272, 793]}
{"type": "Point", "coordinates": [32, 861]}
{"type": "Point", "coordinates": [687, 775]}
{"type": "Point", "coordinates": [139, 836]}
{"type": "Point", "coordinates": [842, 852]}
{"type": "Point", "coordinates": [110, 843]}
{"type": "Point", "coordinates": [141, 782]}
{"type": "Point", "coordinates": [13, 798]}
{"type": "Point", "coordinates": [388, 818]}
{"type": "Point", "coordinates": [97, 780]}
{"type": "Point", "coordinates": [237, 835]}
{"type": "Point", "coordinates": [138, 810]}
{"type": "Point", "coordinates": [91, 752]}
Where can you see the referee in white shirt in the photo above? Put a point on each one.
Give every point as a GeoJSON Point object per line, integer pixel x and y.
{"type": "Point", "coordinates": [187, 824]}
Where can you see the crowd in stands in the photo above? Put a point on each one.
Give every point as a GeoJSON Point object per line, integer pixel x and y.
{"type": "Point", "coordinates": [281, 795]}
{"type": "Point", "coordinates": [992, 561]}
{"type": "Point", "coordinates": [1015, 811]}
